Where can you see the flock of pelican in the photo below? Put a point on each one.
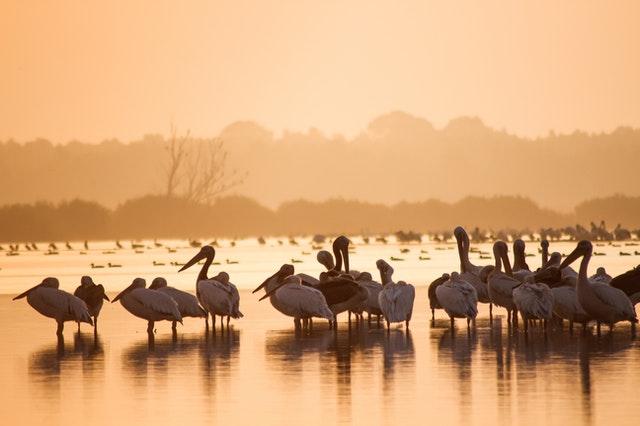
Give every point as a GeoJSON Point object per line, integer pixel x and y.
{"type": "Point", "coordinates": [552, 293]}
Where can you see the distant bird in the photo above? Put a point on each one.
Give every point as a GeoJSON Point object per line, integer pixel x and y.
{"type": "Point", "coordinates": [396, 299]}
{"type": "Point", "coordinates": [458, 298]}
{"type": "Point", "coordinates": [93, 296]}
{"type": "Point", "coordinates": [148, 304]}
{"type": "Point", "coordinates": [113, 265]}
{"type": "Point", "coordinates": [68, 246]}
{"type": "Point", "coordinates": [287, 294]}
{"type": "Point", "coordinates": [216, 295]}
{"type": "Point", "coordinates": [187, 303]}
{"type": "Point", "coordinates": [157, 244]}
{"type": "Point", "coordinates": [52, 246]}
{"type": "Point", "coordinates": [118, 244]}
{"type": "Point", "coordinates": [434, 303]}
{"type": "Point", "coordinates": [50, 301]}
{"type": "Point", "coordinates": [86, 245]}
{"type": "Point", "coordinates": [95, 266]}
{"type": "Point", "coordinates": [156, 263]}
{"type": "Point", "coordinates": [602, 302]}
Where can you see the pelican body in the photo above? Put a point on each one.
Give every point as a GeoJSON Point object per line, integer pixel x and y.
{"type": "Point", "coordinates": [50, 301]}
{"type": "Point", "coordinates": [93, 296]}
{"type": "Point", "coordinates": [148, 304]}
{"type": "Point", "coordinates": [187, 303]}
{"type": "Point", "coordinates": [396, 299]}
{"type": "Point", "coordinates": [501, 284]}
{"type": "Point", "coordinates": [216, 295]}
{"type": "Point", "coordinates": [434, 303]}
{"type": "Point", "coordinates": [468, 271]}
{"type": "Point", "coordinates": [458, 298]}
{"type": "Point", "coordinates": [287, 294]}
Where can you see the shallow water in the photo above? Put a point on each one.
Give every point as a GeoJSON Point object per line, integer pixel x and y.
{"type": "Point", "coordinates": [262, 371]}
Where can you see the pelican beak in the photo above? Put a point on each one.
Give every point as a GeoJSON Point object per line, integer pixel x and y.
{"type": "Point", "coordinates": [197, 258]}
{"type": "Point", "coordinates": [264, 283]}
{"type": "Point", "coordinates": [345, 256]}
{"type": "Point", "coordinates": [122, 293]}
{"type": "Point", "coordinates": [269, 293]}
{"type": "Point", "coordinates": [571, 258]}
{"type": "Point", "coordinates": [105, 297]}
{"type": "Point", "coordinates": [26, 293]}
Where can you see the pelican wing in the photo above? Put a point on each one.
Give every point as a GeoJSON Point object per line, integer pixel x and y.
{"type": "Point", "coordinates": [534, 299]}
{"type": "Point", "coordinates": [565, 303]}
{"type": "Point", "coordinates": [396, 301]}
{"type": "Point", "coordinates": [187, 303]}
{"type": "Point", "coordinates": [307, 300]}
{"type": "Point", "coordinates": [308, 279]}
{"type": "Point", "coordinates": [64, 303]}
{"type": "Point", "coordinates": [614, 298]}
{"type": "Point", "coordinates": [157, 301]}
{"type": "Point", "coordinates": [458, 298]}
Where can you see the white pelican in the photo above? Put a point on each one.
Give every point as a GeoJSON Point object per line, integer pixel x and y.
{"type": "Point", "coordinates": [187, 302]}
{"type": "Point", "coordinates": [147, 304]}
{"type": "Point", "coordinates": [434, 303]}
{"type": "Point", "coordinates": [601, 301]}
{"type": "Point", "coordinates": [287, 294]}
{"type": "Point", "coordinates": [50, 301]}
{"type": "Point", "coordinates": [458, 298]}
{"type": "Point", "coordinates": [396, 299]}
{"type": "Point", "coordinates": [501, 284]}
{"type": "Point", "coordinates": [534, 300]}
{"type": "Point", "coordinates": [469, 272]}
{"type": "Point", "coordinates": [372, 305]}
{"type": "Point", "coordinates": [520, 268]}
{"type": "Point", "coordinates": [93, 296]}
{"type": "Point", "coordinates": [216, 295]}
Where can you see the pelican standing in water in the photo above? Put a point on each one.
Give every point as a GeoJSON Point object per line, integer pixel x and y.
{"type": "Point", "coordinates": [434, 303]}
{"type": "Point", "coordinates": [187, 302]}
{"type": "Point", "coordinates": [396, 299]}
{"type": "Point", "coordinates": [50, 301]}
{"type": "Point", "coordinates": [148, 304]}
{"type": "Point", "coordinates": [287, 294]}
{"type": "Point", "coordinates": [533, 300]}
{"type": "Point", "coordinates": [216, 295]}
{"type": "Point", "coordinates": [501, 284]}
{"type": "Point", "coordinates": [372, 304]}
{"type": "Point", "coordinates": [458, 298]}
{"type": "Point", "coordinates": [469, 272]}
{"type": "Point", "coordinates": [601, 302]}
{"type": "Point", "coordinates": [93, 296]}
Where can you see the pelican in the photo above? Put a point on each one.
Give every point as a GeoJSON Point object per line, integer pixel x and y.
{"type": "Point", "coordinates": [50, 301]}
{"type": "Point", "coordinates": [433, 298]}
{"type": "Point", "coordinates": [93, 296]}
{"type": "Point", "coordinates": [340, 291]}
{"type": "Point", "coordinates": [601, 301]}
{"type": "Point", "coordinates": [520, 268]}
{"type": "Point", "coordinates": [629, 282]}
{"type": "Point", "coordinates": [187, 302]}
{"type": "Point", "coordinates": [147, 304]}
{"type": "Point", "coordinates": [216, 296]}
{"type": "Point", "coordinates": [458, 298]}
{"type": "Point", "coordinates": [470, 272]}
{"type": "Point", "coordinates": [534, 300]}
{"type": "Point", "coordinates": [396, 299]}
{"type": "Point", "coordinates": [501, 284]}
{"type": "Point", "coordinates": [372, 305]}
{"type": "Point", "coordinates": [287, 294]}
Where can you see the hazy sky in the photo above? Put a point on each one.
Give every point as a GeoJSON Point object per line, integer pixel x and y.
{"type": "Point", "coordinates": [95, 70]}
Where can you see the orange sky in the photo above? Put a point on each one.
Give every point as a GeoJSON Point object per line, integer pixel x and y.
{"type": "Point", "coordinates": [95, 70]}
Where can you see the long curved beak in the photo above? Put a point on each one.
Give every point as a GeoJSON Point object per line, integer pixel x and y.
{"type": "Point", "coordinates": [105, 297]}
{"type": "Point", "coordinates": [115, 299]}
{"type": "Point", "coordinates": [197, 258]}
{"type": "Point", "coordinates": [570, 259]}
{"type": "Point", "coordinates": [26, 293]}
{"type": "Point", "coordinates": [345, 256]}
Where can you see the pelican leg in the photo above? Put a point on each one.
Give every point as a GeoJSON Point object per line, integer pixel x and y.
{"type": "Point", "coordinates": [490, 311]}
{"type": "Point", "coordinates": [515, 318]}
{"type": "Point", "coordinates": [206, 321]}
{"type": "Point", "coordinates": [95, 324]}
{"type": "Point", "coordinates": [598, 328]}
{"type": "Point", "coordinates": [433, 314]}
{"type": "Point", "coordinates": [150, 327]}
{"type": "Point", "coordinates": [213, 321]}
{"type": "Point", "coordinates": [406, 324]}
{"type": "Point", "coordinates": [174, 326]}
{"type": "Point", "coordinates": [378, 320]}
{"type": "Point", "coordinates": [78, 326]}
{"type": "Point", "coordinates": [60, 328]}
{"type": "Point", "coordinates": [296, 323]}
{"type": "Point", "coordinates": [452, 322]}
{"type": "Point", "coordinates": [369, 318]}
{"type": "Point", "coordinates": [468, 323]}
{"type": "Point", "coordinates": [222, 322]}
{"type": "Point", "coordinates": [349, 318]}
{"type": "Point", "coordinates": [570, 326]}
{"type": "Point", "coordinates": [388, 325]}
{"type": "Point", "coordinates": [310, 324]}
{"type": "Point", "coordinates": [228, 318]}
{"type": "Point", "coordinates": [526, 325]}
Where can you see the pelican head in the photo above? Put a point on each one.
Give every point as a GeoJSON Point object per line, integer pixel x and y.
{"type": "Point", "coordinates": [584, 248]}
{"type": "Point", "coordinates": [364, 276]}
{"type": "Point", "coordinates": [600, 270]}
{"type": "Point", "coordinates": [555, 258]}
{"type": "Point", "coordinates": [86, 281]}
{"type": "Point", "coordinates": [518, 246]}
{"type": "Point", "coordinates": [386, 270]}
{"type": "Point", "coordinates": [544, 244]}
{"type": "Point", "coordinates": [459, 233]}
{"type": "Point", "coordinates": [157, 283]}
{"type": "Point", "coordinates": [454, 276]}
{"type": "Point", "coordinates": [137, 283]}
{"type": "Point", "coordinates": [222, 277]}
{"type": "Point", "coordinates": [206, 252]}
{"type": "Point", "coordinates": [50, 282]}
{"type": "Point", "coordinates": [485, 272]}
{"type": "Point", "coordinates": [326, 259]}
{"type": "Point", "coordinates": [282, 273]}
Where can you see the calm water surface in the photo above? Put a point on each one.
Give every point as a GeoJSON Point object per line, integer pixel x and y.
{"type": "Point", "coordinates": [261, 371]}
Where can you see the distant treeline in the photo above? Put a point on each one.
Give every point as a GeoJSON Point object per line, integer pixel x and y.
{"type": "Point", "coordinates": [162, 217]}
